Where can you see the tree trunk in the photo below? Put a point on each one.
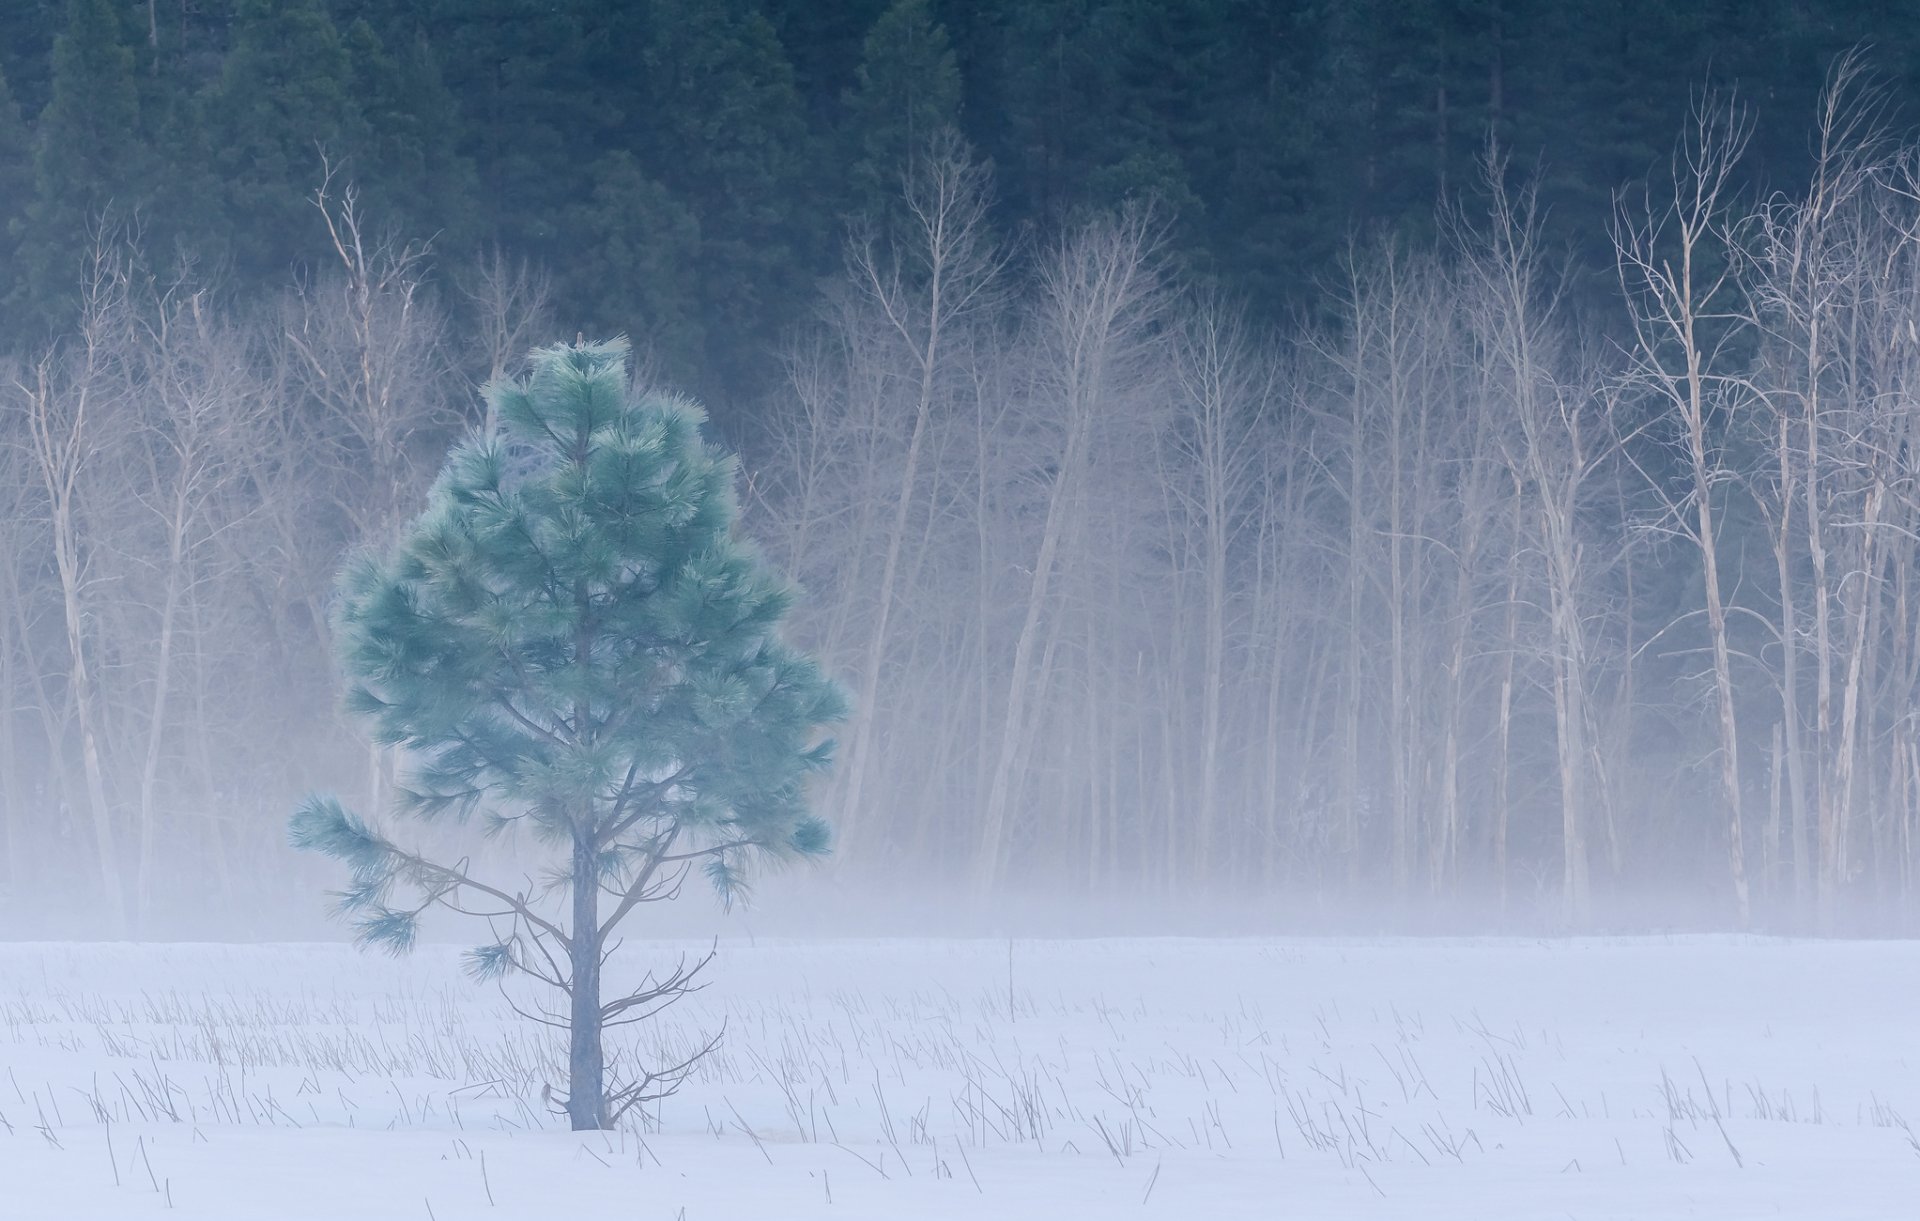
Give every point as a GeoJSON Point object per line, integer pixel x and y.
{"type": "Point", "coordinates": [1350, 692]}
{"type": "Point", "coordinates": [927, 357]}
{"type": "Point", "coordinates": [1503, 771]}
{"type": "Point", "coordinates": [1399, 699]}
{"type": "Point", "coordinates": [10, 786]}
{"type": "Point", "coordinates": [1214, 678]}
{"type": "Point", "coordinates": [1723, 685]}
{"type": "Point", "coordinates": [1706, 537]}
{"type": "Point", "coordinates": [1081, 394]}
{"type": "Point", "coordinates": [1013, 728]}
{"type": "Point", "coordinates": [1770, 880]}
{"type": "Point", "coordinates": [85, 711]}
{"type": "Point", "coordinates": [1851, 712]}
{"type": "Point", "coordinates": [586, 1057]}
{"type": "Point", "coordinates": [1790, 675]}
{"type": "Point", "coordinates": [1570, 717]}
{"type": "Point", "coordinates": [1827, 818]}
{"type": "Point", "coordinates": [157, 711]}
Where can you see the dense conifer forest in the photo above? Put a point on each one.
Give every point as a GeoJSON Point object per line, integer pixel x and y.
{"type": "Point", "coordinates": [714, 150]}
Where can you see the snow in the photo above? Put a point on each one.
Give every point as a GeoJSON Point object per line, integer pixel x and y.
{"type": "Point", "coordinates": [1643, 1078]}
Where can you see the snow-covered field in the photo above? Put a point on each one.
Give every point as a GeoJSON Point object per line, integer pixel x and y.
{"type": "Point", "coordinates": [1709, 1077]}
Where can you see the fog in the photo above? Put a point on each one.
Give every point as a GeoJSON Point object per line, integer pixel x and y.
{"type": "Point", "coordinates": [1471, 602]}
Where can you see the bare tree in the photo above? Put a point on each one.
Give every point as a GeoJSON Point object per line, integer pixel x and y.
{"type": "Point", "coordinates": [1676, 261]}
{"type": "Point", "coordinates": [1221, 393]}
{"type": "Point", "coordinates": [62, 400]}
{"type": "Point", "coordinates": [1804, 261]}
{"type": "Point", "coordinates": [1557, 436]}
{"type": "Point", "coordinates": [370, 353]}
{"type": "Point", "coordinates": [919, 293]}
{"type": "Point", "coordinates": [15, 648]}
{"type": "Point", "coordinates": [1097, 297]}
{"type": "Point", "coordinates": [194, 390]}
{"type": "Point", "coordinates": [1296, 641]}
{"type": "Point", "coordinates": [1393, 412]}
{"type": "Point", "coordinates": [368, 350]}
{"type": "Point", "coordinates": [511, 301]}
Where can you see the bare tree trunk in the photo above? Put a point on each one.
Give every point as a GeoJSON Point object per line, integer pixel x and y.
{"type": "Point", "coordinates": [12, 800]}
{"type": "Point", "coordinates": [1503, 768]}
{"type": "Point", "coordinates": [1096, 295]}
{"type": "Point", "coordinates": [1851, 711]}
{"type": "Point", "coordinates": [63, 445]}
{"type": "Point", "coordinates": [1399, 696]}
{"type": "Point", "coordinates": [1717, 625]}
{"type": "Point", "coordinates": [1832, 867]}
{"type": "Point", "coordinates": [1549, 454]}
{"type": "Point", "coordinates": [1790, 671]}
{"type": "Point", "coordinates": [1771, 877]}
{"type": "Point", "coordinates": [1807, 290]}
{"type": "Point", "coordinates": [218, 810]}
{"type": "Point", "coordinates": [1570, 719]}
{"type": "Point", "coordinates": [1013, 728]}
{"type": "Point", "coordinates": [1444, 850]}
{"type": "Point", "coordinates": [157, 710]}
{"type": "Point", "coordinates": [1351, 687]}
{"type": "Point", "coordinates": [1213, 676]}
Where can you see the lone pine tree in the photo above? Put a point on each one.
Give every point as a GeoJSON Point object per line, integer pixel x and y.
{"type": "Point", "coordinates": [573, 653]}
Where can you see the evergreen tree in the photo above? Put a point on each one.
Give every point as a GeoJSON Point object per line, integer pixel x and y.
{"type": "Point", "coordinates": [16, 189]}
{"type": "Point", "coordinates": [176, 221]}
{"type": "Point", "coordinates": [570, 643]}
{"type": "Point", "coordinates": [1265, 218]}
{"type": "Point", "coordinates": [1103, 97]}
{"type": "Point", "coordinates": [1060, 66]}
{"type": "Point", "coordinates": [722, 126]}
{"type": "Point", "coordinates": [27, 32]}
{"type": "Point", "coordinates": [644, 278]}
{"type": "Point", "coordinates": [906, 89]}
{"type": "Point", "coordinates": [533, 114]}
{"type": "Point", "coordinates": [1270, 131]}
{"type": "Point", "coordinates": [410, 165]}
{"type": "Point", "coordinates": [88, 157]}
{"type": "Point", "coordinates": [826, 43]}
{"type": "Point", "coordinates": [284, 100]}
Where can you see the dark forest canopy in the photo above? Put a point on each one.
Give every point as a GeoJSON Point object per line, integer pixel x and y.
{"type": "Point", "coordinates": [710, 152]}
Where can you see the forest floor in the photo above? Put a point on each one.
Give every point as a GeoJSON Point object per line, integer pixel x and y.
{"type": "Point", "coordinates": [1438, 1080]}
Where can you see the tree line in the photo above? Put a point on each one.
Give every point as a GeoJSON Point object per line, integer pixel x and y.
{"type": "Point", "coordinates": [1501, 576]}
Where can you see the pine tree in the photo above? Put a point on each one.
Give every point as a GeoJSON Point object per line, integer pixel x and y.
{"type": "Point", "coordinates": [531, 112]}
{"type": "Point", "coordinates": [27, 32]}
{"type": "Point", "coordinates": [409, 165]}
{"type": "Point", "coordinates": [570, 646]}
{"type": "Point", "coordinates": [284, 101]}
{"type": "Point", "coordinates": [1267, 223]}
{"type": "Point", "coordinates": [1060, 69]}
{"type": "Point", "coordinates": [643, 275]}
{"type": "Point", "coordinates": [1103, 95]}
{"type": "Point", "coordinates": [88, 158]}
{"type": "Point", "coordinates": [825, 42]}
{"type": "Point", "coordinates": [721, 125]}
{"type": "Point", "coordinates": [176, 222]}
{"type": "Point", "coordinates": [907, 90]}
{"type": "Point", "coordinates": [16, 188]}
